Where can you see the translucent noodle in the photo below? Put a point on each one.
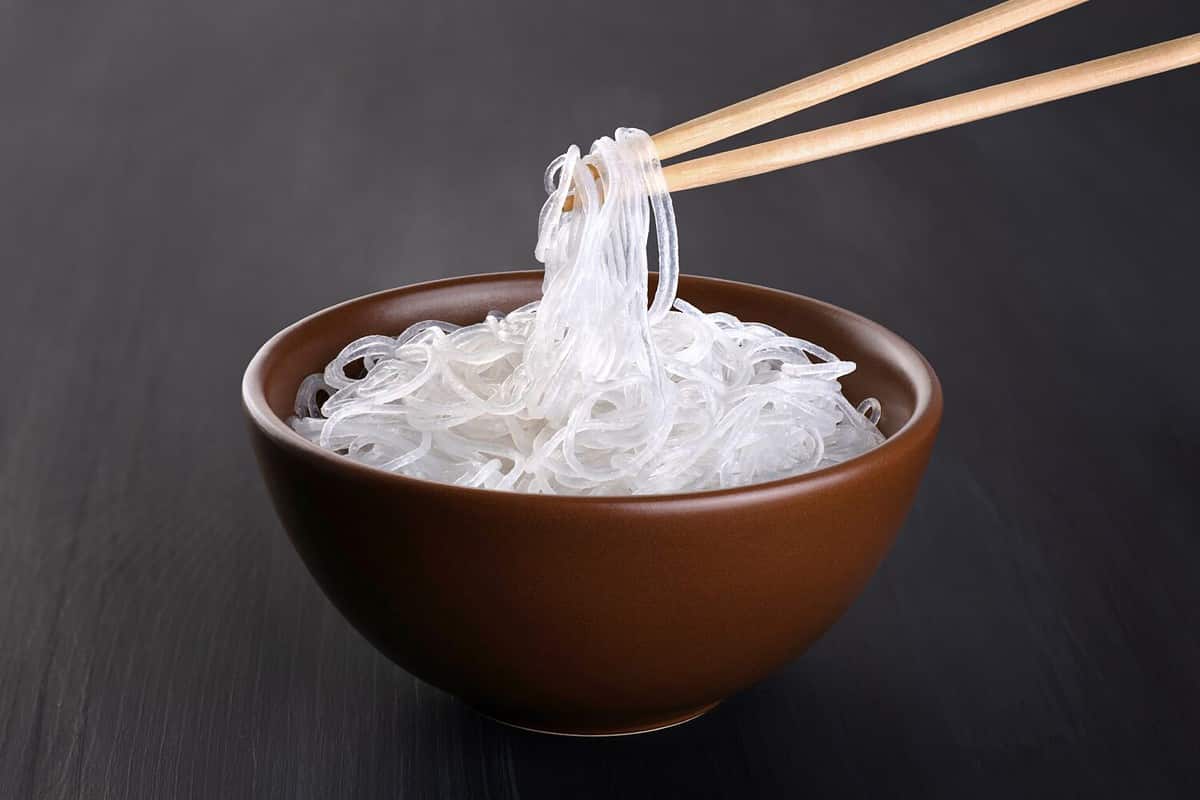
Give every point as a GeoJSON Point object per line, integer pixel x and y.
{"type": "Point", "coordinates": [597, 388]}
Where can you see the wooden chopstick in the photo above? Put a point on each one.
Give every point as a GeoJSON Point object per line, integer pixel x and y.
{"type": "Point", "coordinates": [853, 75]}
{"type": "Point", "coordinates": [935, 115]}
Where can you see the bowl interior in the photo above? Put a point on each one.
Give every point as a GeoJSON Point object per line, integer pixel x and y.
{"type": "Point", "coordinates": [888, 367]}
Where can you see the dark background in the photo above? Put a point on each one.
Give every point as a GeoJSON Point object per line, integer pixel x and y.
{"type": "Point", "coordinates": [180, 180]}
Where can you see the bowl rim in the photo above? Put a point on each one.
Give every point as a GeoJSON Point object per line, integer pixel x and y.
{"type": "Point", "coordinates": [924, 420]}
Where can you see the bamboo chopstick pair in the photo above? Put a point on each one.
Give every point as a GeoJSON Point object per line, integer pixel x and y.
{"type": "Point", "coordinates": [905, 122]}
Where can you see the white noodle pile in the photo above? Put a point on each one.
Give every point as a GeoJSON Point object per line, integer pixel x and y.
{"type": "Point", "coordinates": [592, 390]}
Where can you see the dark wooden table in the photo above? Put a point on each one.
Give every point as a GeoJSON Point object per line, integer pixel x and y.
{"type": "Point", "coordinates": [179, 180]}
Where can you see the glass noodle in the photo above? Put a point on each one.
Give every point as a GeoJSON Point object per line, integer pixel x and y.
{"type": "Point", "coordinates": [597, 388]}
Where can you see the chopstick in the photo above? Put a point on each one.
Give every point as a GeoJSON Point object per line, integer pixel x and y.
{"type": "Point", "coordinates": [932, 116]}
{"type": "Point", "coordinates": [854, 75]}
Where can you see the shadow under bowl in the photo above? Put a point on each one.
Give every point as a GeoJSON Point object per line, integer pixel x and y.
{"type": "Point", "coordinates": [588, 615]}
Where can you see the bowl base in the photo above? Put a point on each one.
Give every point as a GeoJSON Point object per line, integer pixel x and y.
{"type": "Point", "coordinates": [648, 727]}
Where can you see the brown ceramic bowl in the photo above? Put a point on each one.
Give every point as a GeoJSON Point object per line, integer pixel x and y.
{"type": "Point", "coordinates": [591, 615]}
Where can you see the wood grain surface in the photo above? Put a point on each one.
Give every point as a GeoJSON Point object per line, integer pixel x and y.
{"type": "Point", "coordinates": [180, 180]}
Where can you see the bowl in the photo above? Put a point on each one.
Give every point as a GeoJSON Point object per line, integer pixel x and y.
{"type": "Point", "coordinates": [591, 615]}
